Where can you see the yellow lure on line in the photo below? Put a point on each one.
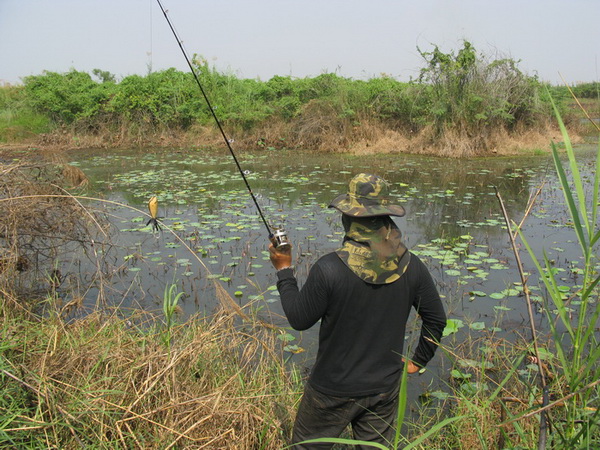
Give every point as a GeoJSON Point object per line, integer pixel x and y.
{"type": "Point", "coordinates": [153, 209]}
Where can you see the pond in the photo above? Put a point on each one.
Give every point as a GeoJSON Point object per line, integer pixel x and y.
{"type": "Point", "coordinates": [213, 232]}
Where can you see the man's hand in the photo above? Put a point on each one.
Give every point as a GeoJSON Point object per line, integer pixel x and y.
{"type": "Point", "coordinates": [280, 258]}
{"type": "Point", "coordinates": [411, 367]}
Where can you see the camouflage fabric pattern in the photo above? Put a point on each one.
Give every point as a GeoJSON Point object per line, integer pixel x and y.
{"type": "Point", "coordinates": [367, 197]}
{"type": "Point", "coordinates": [373, 249]}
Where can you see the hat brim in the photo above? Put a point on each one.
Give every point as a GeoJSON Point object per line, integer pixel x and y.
{"type": "Point", "coordinates": [365, 208]}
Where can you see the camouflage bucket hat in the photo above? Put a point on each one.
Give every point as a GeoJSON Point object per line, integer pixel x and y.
{"type": "Point", "coordinates": [367, 197]}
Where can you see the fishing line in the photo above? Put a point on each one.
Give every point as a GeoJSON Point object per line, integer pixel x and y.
{"type": "Point", "coordinates": [280, 236]}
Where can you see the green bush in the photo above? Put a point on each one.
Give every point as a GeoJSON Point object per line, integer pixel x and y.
{"type": "Point", "coordinates": [17, 120]}
{"type": "Point", "coordinates": [463, 91]}
{"type": "Point", "coordinates": [66, 98]}
{"type": "Point", "coordinates": [587, 90]}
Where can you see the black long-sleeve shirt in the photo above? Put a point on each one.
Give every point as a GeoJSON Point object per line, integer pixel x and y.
{"type": "Point", "coordinates": [362, 325]}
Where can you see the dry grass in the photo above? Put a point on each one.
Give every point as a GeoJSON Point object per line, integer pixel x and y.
{"type": "Point", "coordinates": [318, 127]}
{"type": "Point", "coordinates": [39, 221]}
{"type": "Point", "coordinates": [111, 381]}
{"type": "Point", "coordinates": [455, 143]}
{"type": "Point", "coordinates": [325, 131]}
{"type": "Point", "coordinates": [114, 377]}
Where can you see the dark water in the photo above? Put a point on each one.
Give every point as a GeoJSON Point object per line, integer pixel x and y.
{"type": "Point", "coordinates": [454, 222]}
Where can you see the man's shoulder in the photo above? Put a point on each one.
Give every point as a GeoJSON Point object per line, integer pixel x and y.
{"type": "Point", "coordinates": [415, 263]}
{"type": "Point", "coordinates": [329, 259]}
{"type": "Point", "coordinates": [329, 265]}
{"type": "Point", "coordinates": [418, 270]}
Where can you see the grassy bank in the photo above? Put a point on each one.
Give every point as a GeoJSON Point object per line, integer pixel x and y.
{"type": "Point", "coordinates": [112, 380]}
{"type": "Point", "coordinates": [462, 103]}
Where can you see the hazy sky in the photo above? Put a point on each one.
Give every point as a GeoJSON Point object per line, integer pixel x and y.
{"type": "Point", "coordinates": [262, 38]}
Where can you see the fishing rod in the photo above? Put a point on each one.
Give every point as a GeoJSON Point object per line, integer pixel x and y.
{"type": "Point", "coordinates": [278, 237]}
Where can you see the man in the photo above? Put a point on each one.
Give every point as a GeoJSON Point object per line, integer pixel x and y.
{"type": "Point", "coordinates": [363, 294]}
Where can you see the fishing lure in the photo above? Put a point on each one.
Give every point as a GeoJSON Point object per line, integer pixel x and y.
{"type": "Point", "coordinates": [153, 209]}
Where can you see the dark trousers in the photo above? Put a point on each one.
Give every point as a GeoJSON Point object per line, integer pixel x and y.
{"type": "Point", "coordinates": [321, 415]}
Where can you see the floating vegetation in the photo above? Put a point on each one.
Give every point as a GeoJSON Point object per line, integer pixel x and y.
{"type": "Point", "coordinates": [452, 224]}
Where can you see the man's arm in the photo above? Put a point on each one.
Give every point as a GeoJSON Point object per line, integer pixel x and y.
{"type": "Point", "coordinates": [429, 306]}
{"type": "Point", "coordinates": [303, 308]}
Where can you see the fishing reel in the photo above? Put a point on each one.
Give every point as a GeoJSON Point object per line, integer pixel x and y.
{"type": "Point", "coordinates": [279, 239]}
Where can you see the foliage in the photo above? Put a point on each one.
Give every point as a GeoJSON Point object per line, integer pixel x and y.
{"type": "Point", "coordinates": [573, 320]}
{"type": "Point", "coordinates": [104, 76]}
{"type": "Point", "coordinates": [466, 92]}
{"type": "Point", "coordinates": [587, 90]}
{"type": "Point", "coordinates": [17, 120]}
{"type": "Point", "coordinates": [66, 98]}
{"type": "Point", "coordinates": [155, 99]}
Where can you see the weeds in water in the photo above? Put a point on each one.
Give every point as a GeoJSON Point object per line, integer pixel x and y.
{"type": "Point", "coordinates": [499, 390]}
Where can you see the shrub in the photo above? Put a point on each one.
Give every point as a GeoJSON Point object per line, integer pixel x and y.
{"type": "Point", "coordinates": [466, 91]}
{"type": "Point", "coordinates": [66, 98]}
{"type": "Point", "coordinates": [17, 120]}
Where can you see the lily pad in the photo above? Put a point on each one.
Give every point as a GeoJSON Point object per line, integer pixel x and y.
{"type": "Point", "coordinates": [478, 293]}
{"type": "Point", "coordinates": [453, 272]}
{"type": "Point", "coordinates": [452, 326]}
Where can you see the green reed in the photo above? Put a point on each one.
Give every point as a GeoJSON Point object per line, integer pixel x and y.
{"type": "Point", "coordinates": [575, 416]}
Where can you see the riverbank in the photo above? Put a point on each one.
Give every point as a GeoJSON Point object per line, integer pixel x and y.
{"type": "Point", "coordinates": [462, 104]}
{"type": "Point", "coordinates": [364, 140]}
{"type": "Point", "coordinates": [123, 378]}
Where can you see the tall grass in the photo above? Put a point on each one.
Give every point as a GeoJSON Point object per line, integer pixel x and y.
{"type": "Point", "coordinates": [496, 384]}
{"type": "Point", "coordinates": [109, 381]}
{"type": "Point", "coordinates": [577, 421]}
